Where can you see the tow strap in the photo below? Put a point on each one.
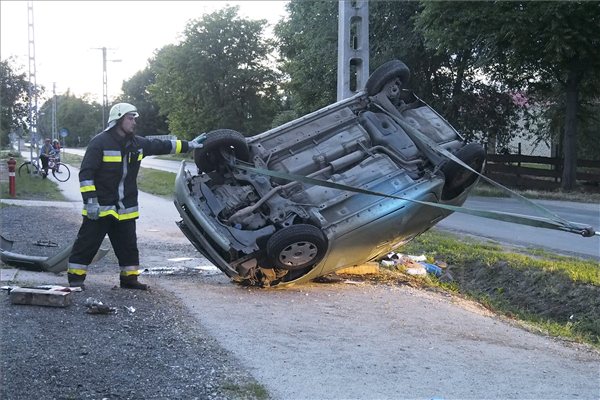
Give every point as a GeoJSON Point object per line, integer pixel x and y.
{"type": "Point", "coordinates": [548, 221]}
{"type": "Point", "coordinates": [538, 222]}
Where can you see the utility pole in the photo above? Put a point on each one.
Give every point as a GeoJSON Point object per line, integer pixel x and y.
{"type": "Point", "coordinates": [353, 47]}
{"type": "Point", "coordinates": [104, 83]}
{"type": "Point", "coordinates": [54, 123]}
{"type": "Point", "coordinates": [33, 107]}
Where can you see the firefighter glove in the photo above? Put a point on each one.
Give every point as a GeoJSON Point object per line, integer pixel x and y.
{"type": "Point", "coordinates": [92, 208]}
{"type": "Point", "coordinates": [196, 143]}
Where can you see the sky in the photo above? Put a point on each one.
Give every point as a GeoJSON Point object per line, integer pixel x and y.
{"type": "Point", "coordinates": [69, 35]}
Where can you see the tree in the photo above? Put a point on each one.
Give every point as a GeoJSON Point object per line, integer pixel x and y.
{"type": "Point", "coordinates": [307, 42]}
{"type": "Point", "coordinates": [14, 101]}
{"type": "Point", "coordinates": [449, 82]}
{"type": "Point", "coordinates": [308, 47]}
{"type": "Point", "coordinates": [217, 77]}
{"type": "Point", "coordinates": [79, 116]}
{"type": "Point", "coordinates": [536, 47]}
{"type": "Point", "coordinates": [136, 92]}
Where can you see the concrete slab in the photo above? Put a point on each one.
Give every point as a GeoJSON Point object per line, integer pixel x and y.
{"type": "Point", "coordinates": [40, 297]}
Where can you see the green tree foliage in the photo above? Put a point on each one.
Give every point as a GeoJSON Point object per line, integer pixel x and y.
{"type": "Point", "coordinates": [14, 101]}
{"type": "Point", "coordinates": [450, 82]}
{"type": "Point", "coordinates": [551, 50]}
{"type": "Point", "coordinates": [217, 77]}
{"type": "Point", "coordinates": [81, 117]}
{"type": "Point", "coordinates": [308, 47]}
{"type": "Point", "coordinates": [307, 42]}
{"type": "Point", "coordinates": [136, 92]}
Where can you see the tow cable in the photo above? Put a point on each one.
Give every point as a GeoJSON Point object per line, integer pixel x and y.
{"type": "Point", "coordinates": [548, 221]}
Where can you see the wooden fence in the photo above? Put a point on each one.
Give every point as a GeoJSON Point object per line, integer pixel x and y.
{"type": "Point", "coordinates": [535, 172]}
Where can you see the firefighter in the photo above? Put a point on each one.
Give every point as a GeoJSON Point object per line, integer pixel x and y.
{"type": "Point", "coordinates": [107, 181]}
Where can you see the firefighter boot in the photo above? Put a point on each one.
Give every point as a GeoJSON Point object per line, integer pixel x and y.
{"type": "Point", "coordinates": [76, 280]}
{"type": "Point", "coordinates": [131, 282]}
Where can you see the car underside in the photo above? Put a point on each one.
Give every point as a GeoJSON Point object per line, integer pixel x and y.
{"type": "Point", "coordinates": [338, 187]}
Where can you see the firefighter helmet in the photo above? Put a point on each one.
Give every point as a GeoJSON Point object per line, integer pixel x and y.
{"type": "Point", "coordinates": [118, 111]}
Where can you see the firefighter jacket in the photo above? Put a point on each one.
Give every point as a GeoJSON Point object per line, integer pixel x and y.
{"type": "Point", "coordinates": [109, 171]}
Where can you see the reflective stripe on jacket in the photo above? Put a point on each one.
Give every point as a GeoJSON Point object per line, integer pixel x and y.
{"type": "Point", "coordinates": [109, 170]}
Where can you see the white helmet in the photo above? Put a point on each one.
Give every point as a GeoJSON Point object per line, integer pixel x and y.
{"type": "Point", "coordinates": [119, 110]}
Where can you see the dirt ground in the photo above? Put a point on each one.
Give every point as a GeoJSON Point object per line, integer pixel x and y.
{"type": "Point", "coordinates": [350, 339]}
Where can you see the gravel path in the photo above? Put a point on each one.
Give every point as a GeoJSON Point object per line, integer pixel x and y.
{"type": "Point", "coordinates": [150, 348]}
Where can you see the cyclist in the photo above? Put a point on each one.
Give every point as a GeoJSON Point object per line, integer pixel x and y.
{"type": "Point", "coordinates": [46, 151]}
{"type": "Point", "coordinates": [56, 147]}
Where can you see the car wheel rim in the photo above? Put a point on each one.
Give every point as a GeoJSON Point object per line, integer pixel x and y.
{"type": "Point", "coordinates": [299, 253]}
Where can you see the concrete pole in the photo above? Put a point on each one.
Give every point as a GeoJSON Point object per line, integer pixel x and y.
{"type": "Point", "coordinates": [54, 123]}
{"type": "Point", "coordinates": [33, 97]}
{"type": "Point", "coordinates": [104, 87]}
{"type": "Point", "coordinates": [353, 47]}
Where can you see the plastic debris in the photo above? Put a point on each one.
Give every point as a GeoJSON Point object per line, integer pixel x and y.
{"type": "Point", "coordinates": [95, 306]}
{"type": "Point", "coordinates": [418, 270]}
{"type": "Point", "coordinates": [432, 269]}
{"type": "Point", "coordinates": [411, 264]}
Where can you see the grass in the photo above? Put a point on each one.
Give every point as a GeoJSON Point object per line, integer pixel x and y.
{"type": "Point", "coordinates": [71, 159]}
{"type": "Point", "coordinates": [28, 187]}
{"type": "Point", "coordinates": [487, 190]}
{"type": "Point", "coordinates": [158, 183]}
{"type": "Point", "coordinates": [454, 250]}
{"type": "Point", "coordinates": [557, 295]}
{"type": "Point", "coordinates": [177, 157]}
{"type": "Point", "coordinates": [246, 391]}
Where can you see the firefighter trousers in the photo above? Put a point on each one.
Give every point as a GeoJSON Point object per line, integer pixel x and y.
{"type": "Point", "coordinates": [122, 235]}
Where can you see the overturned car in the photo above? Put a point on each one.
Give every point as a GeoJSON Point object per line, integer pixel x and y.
{"type": "Point", "coordinates": [336, 188]}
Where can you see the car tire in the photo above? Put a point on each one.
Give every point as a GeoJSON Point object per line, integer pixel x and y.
{"type": "Point", "coordinates": [386, 72]}
{"type": "Point", "coordinates": [296, 247]}
{"type": "Point", "coordinates": [458, 178]}
{"type": "Point", "coordinates": [210, 155]}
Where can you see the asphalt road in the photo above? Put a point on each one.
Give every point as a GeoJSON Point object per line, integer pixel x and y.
{"type": "Point", "coordinates": [504, 232]}
{"type": "Point", "coordinates": [528, 236]}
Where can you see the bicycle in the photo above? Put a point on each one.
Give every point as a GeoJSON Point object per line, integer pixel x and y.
{"type": "Point", "coordinates": [60, 171]}
{"type": "Point", "coordinates": [29, 167]}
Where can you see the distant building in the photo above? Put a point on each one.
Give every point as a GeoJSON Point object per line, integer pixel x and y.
{"type": "Point", "coordinates": [529, 146]}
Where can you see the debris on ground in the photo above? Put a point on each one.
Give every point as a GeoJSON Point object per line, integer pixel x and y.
{"type": "Point", "coordinates": [412, 265]}
{"type": "Point", "coordinates": [40, 297]}
{"type": "Point", "coordinates": [95, 306]}
{"type": "Point", "coordinates": [45, 287]}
